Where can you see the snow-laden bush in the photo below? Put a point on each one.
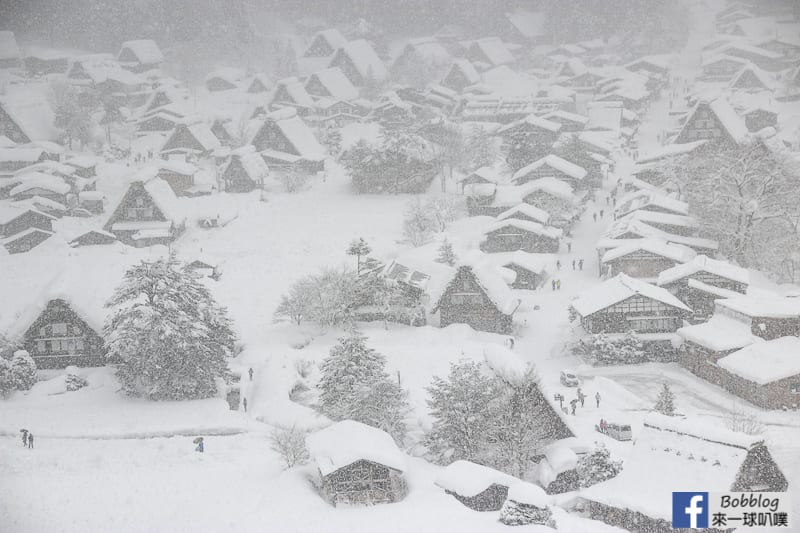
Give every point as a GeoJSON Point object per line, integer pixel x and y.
{"type": "Point", "coordinates": [665, 403]}
{"type": "Point", "coordinates": [521, 514]}
{"type": "Point", "coordinates": [75, 382]}
{"type": "Point", "coordinates": [599, 349]}
{"type": "Point", "coordinates": [290, 444]}
{"type": "Point", "coordinates": [19, 373]}
{"type": "Point", "coordinates": [597, 467]}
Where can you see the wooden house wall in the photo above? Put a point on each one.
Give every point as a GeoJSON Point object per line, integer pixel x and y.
{"type": "Point", "coordinates": [455, 80]}
{"type": "Point", "coordinates": [704, 124]}
{"type": "Point", "coordinates": [549, 203]}
{"type": "Point", "coordinates": [758, 120]}
{"type": "Point", "coordinates": [236, 178]}
{"type": "Point", "coordinates": [722, 69]}
{"type": "Point", "coordinates": [59, 338]}
{"type": "Point", "coordinates": [772, 328]}
{"type": "Point", "coordinates": [491, 499]}
{"type": "Point", "coordinates": [37, 66]}
{"type": "Point", "coordinates": [90, 239]}
{"type": "Point", "coordinates": [26, 242]}
{"type": "Point", "coordinates": [511, 239]}
{"type": "Point", "coordinates": [465, 302]}
{"type": "Point", "coordinates": [319, 48]}
{"type": "Point", "coordinates": [137, 205]}
{"type": "Point", "coordinates": [270, 137]}
{"type": "Point", "coordinates": [315, 87]}
{"type": "Point", "coordinates": [760, 473]}
{"type": "Point", "coordinates": [344, 62]}
{"type": "Point", "coordinates": [182, 137]}
{"type": "Point", "coordinates": [525, 278]}
{"type": "Point", "coordinates": [179, 183]}
{"type": "Point", "coordinates": [641, 264]}
{"type": "Point", "coordinates": [636, 313]}
{"type": "Point", "coordinates": [545, 171]}
{"type": "Point", "coordinates": [11, 129]}
{"type": "Point", "coordinates": [636, 521]}
{"type": "Point", "coordinates": [364, 483]}
{"type": "Point", "coordinates": [219, 84]}
{"type": "Point", "coordinates": [156, 124]}
{"type": "Point", "coordinates": [27, 220]}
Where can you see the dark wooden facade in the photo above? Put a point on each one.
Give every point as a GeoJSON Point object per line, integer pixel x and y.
{"type": "Point", "coordinates": [26, 241]}
{"type": "Point", "coordinates": [526, 279]}
{"type": "Point", "coordinates": [758, 119]}
{"type": "Point", "coordinates": [364, 483]}
{"type": "Point", "coordinates": [635, 521]}
{"type": "Point", "coordinates": [465, 302]}
{"type": "Point", "coordinates": [59, 338]}
{"type": "Point", "coordinates": [179, 182]}
{"type": "Point", "coordinates": [510, 238]}
{"type": "Point", "coordinates": [704, 124]}
{"type": "Point", "coordinates": [11, 129]}
{"type": "Point", "coordinates": [638, 264]}
{"type": "Point", "coordinates": [236, 178]}
{"type": "Point", "coordinates": [138, 206]}
{"type": "Point", "coordinates": [637, 313]}
{"type": "Point", "coordinates": [343, 60]}
{"type": "Point", "coordinates": [27, 219]}
{"type": "Point", "coordinates": [490, 499]}
{"type": "Point", "coordinates": [271, 137]}
{"type": "Point", "coordinates": [182, 138]}
{"type": "Point", "coordinates": [91, 238]}
{"type": "Point", "coordinates": [723, 68]}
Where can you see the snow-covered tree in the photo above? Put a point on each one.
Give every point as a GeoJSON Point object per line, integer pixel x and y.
{"type": "Point", "coordinates": [665, 403]}
{"type": "Point", "coordinates": [290, 444]}
{"type": "Point", "coordinates": [326, 298]}
{"type": "Point", "coordinates": [23, 370]}
{"type": "Point", "coordinates": [601, 350]}
{"type": "Point", "coordinates": [597, 467]}
{"type": "Point", "coordinates": [417, 224]}
{"type": "Point", "coordinates": [462, 407]}
{"type": "Point", "coordinates": [515, 513]}
{"type": "Point", "coordinates": [6, 378]}
{"type": "Point", "coordinates": [359, 248]}
{"type": "Point", "coordinates": [332, 139]}
{"type": "Point", "coordinates": [75, 382]}
{"type": "Point", "coordinates": [446, 253]}
{"type": "Point", "coordinates": [69, 115]}
{"type": "Point", "coordinates": [355, 386]}
{"type": "Point", "coordinates": [481, 148]}
{"type": "Point", "coordinates": [746, 197]}
{"type": "Point", "coordinates": [169, 335]}
{"type": "Point", "coordinates": [442, 210]}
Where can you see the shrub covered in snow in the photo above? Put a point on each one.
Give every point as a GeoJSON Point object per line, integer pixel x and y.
{"type": "Point", "coordinates": [355, 386]}
{"type": "Point", "coordinates": [290, 444]}
{"type": "Point", "coordinates": [19, 373]}
{"type": "Point", "coordinates": [526, 504]}
{"type": "Point", "coordinates": [75, 382]}
{"type": "Point", "coordinates": [665, 403]}
{"type": "Point", "coordinates": [599, 349]}
{"type": "Point", "coordinates": [168, 333]}
{"type": "Point", "coordinates": [326, 298]}
{"type": "Point", "coordinates": [597, 467]}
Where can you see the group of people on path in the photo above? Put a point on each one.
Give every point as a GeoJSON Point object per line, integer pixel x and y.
{"type": "Point", "coordinates": [27, 438]}
{"type": "Point", "coordinates": [573, 403]}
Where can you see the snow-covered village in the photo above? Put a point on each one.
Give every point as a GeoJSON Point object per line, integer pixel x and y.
{"type": "Point", "coordinates": [360, 266]}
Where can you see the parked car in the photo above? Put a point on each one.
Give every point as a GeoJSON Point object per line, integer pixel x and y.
{"type": "Point", "coordinates": [568, 379]}
{"type": "Point", "coordinates": [618, 431]}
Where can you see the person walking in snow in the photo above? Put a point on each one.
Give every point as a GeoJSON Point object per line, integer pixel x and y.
{"type": "Point", "coordinates": [581, 397]}
{"type": "Point", "coordinates": [573, 264]}
{"type": "Point", "coordinates": [553, 283]}
{"type": "Point", "coordinates": [558, 265]}
{"type": "Point", "coordinates": [24, 438]}
{"type": "Point", "coordinates": [199, 448]}
{"type": "Point", "coordinates": [601, 213]}
{"type": "Point", "coordinates": [580, 264]}
{"type": "Point", "coordinates": [558, 284]}
{"type": "Point", "coordinates": [569, 247]}
{"type": "Point", "coordinates": [597, 398]}
{"type": "Point", "coordinates": [244, 404]}
{"type": "Point", "coordinates": [251, 373]}
{"type": "Point", "coordinates": [574, 404]}
{"type": "Point", "coordinates": [594, 216]}
{"type": "Point", "coordinates": [511, 343]}
{"type": "Point", "coordinates": [30, 440]}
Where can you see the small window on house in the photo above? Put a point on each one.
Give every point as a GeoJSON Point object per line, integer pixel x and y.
{"type": "Point", "coordinates": [41, 346]}
{"type": "Point", "coordinates": [76, 330]}
{"type": "Point", "coordinates": [139, 202]}
{"type": "Point", "coordinates": [79, 344]}
{"type": "Point", "coordinates": [58, 328]}
{"type": "Point", "coordinates": [794, 388]}
{"type": "Point", "coordinates": [43, 332]}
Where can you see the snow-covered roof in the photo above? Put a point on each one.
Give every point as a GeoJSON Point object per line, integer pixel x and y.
{"type": "Point", "coordinates": [678, 253]}
{"type": "Point", "coordinates": [230, 74]}
{"type": "Point", "coordinates": [364, 59]}
{"type": "Point", "coordinates": [32, 114]}
{"type": "Point", "coordinates": [561, 458]}
{"type": "Point", "coordinates": [47, 166]}
{"type": "Point", "coordinates": [346, 442]}
{"type": "Point", "coordinates": [513, 195]}
{"type": "Point", "coordinates": [660, 61]}
{"type": "Point", "coordinates": [531, 24]}
{"type": "Point", "coordinates": [765, 362]}
{"type": "Point", "coordinates": [656, 217]}
{"type": "Point", "coordinates": [40, 180]}
{"type": "Point", "coordinates": [295, 90]}
{"type": "Point", "coordinates": [252, 162]}
{"type": "Point", "coordinates": [553, 161]}
{"type": "Point", "coordinates": [429, 49]}
{"type": "Point", "coordinates": [651, 200]}
{"type": "Point", "coordinates": [525, 225]}
{"type": "Point", "coordinates": [469, 479]}
{"type": "Point", "coordinates": [528, 494]}
{"type": "Point", "coordinates": [750, 50]}
{"type": "Point", "coordinates": [721, 333]}
{"type": "Point", "coordinates": [532, 262]}
{"type": "Point", "coordinates": [145, 50]}
{"type": "Point", "coordinates": [336, 83]}
{"type": "Point", "coordinates": [539, 215]}
{"type": "Point", "coordinates": [764, 306]}
{"type": "Point", "coordinates": [643, 230]}
{"type": "Point", "coordinates": [178, 167]}
{"type": "Point", "coordinates": [730, 120]}
{"type": "Point", "coordinates": [494, 50]}
{"type": "Point", "coordinates": [702, 263]}
{"type": "Point", "coordinates": [566, 115]}
{"type": "Point", "coordinates": [15, 210]}
{"type": "Point", "coordinates": [669, 150]}
{"type": "Point", "coordinates": [201, 132]}
{"type": "Point", "coordinates": [719, 292]}
{"type": "Point", "coordinates": [488, 276]}
{"type": "Point", "coordinates": [619, 288]}
{"type": "Point", "coordinates": [165, 199]}
{"type": "Point", "coordinates": [533, 120]}
{"type": "Point", "coordinates": [716, 58]}
{"type": "Point", "coordinates": [299, 134]}
{"type": "Point", "coordinates": [332, 36]}
{"type": "Point", "coordinates": [20, 154]}
{"type": "Point", "coordinates": [672, 454]}
{"type": "Point", "coordinates": [8, 45]}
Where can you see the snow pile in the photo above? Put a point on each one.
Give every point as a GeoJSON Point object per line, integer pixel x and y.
{"type": "Point", "coordinates": [721, 333]}
{"type": "Point", "coordinates": [469, 479]}
{"type": "Point", "coordinates": [553, 161]}
{"type": "Point", "coordinates": [346, 442]}
{"type": "Point", "coordinates": [528, 494]}
{"type": "Point", "coordinates": [538, 215]}
{"type": "Point", "coordinates": [527, 226]}
{"type": "Point", "coordinates": [702, 263]}
{"type": "Point", "coordinates": [504, 363]}
{"type": "Point", "coordinates": [763, 306]}
{"type": "Point", "coordinates": [765, 362]}
{"type": "Point", "coordinates": [677, 253]}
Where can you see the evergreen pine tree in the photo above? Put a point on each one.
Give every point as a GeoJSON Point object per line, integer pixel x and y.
{"type": "Point", "coordinates": [359, 248]}
{"type": "Point", "coordinates": [597, 467]}
{"type": "Point", "coordinates": [446, 254]}
{"type": "Point", "coordinates": [168, 333]}
{"type": "Point", "coordinates": [665, 404]}
{"type": "Point", "coordinates": [355, 386]}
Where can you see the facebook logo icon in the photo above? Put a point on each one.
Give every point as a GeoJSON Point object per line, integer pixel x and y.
{"type": "Point", "coordinates": [689, 509]}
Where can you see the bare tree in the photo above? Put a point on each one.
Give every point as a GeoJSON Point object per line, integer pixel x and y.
{"type": "Point", "coordinates": [290, 444]}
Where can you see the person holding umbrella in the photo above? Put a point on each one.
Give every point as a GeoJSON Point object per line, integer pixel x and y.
{"type": "Point", "coordinates": [199, 442]}
{"type": "Point", "coordinates": [24, 437]}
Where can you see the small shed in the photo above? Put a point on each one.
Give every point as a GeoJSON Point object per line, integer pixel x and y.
{"type": "Point", "coordinates": [357, 464]}
{"type": "Point", "coordinates": [478, 487]}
